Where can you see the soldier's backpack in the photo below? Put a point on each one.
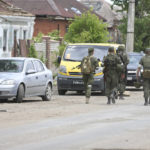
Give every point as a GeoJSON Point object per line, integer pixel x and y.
{"type": "Point", "coordinates": [146, 65]}
{"type": "Point", "coordinates": [110, 62]}
{"type": "Point", "coordinates": [86, 66]}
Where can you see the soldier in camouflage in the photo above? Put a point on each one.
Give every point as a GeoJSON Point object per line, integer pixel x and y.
{"type": "Point", "coordinates": [145, 63]}
{"type": "Point", "coordinates": [111, 62]}
{"type": "Point", "coordinates": [88, 78]}
{"type": "Point", "coordinates": [123, 73]}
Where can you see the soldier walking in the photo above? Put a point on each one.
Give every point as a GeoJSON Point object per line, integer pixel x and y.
{"type": "Point", "coordinates": [111, 63]}
{"type": "Point", "coordinates": [88, 67]}
{"type": "Point", "coordinates": [123, 72]}
{"type": "Point", "coordinates": [145, 63]}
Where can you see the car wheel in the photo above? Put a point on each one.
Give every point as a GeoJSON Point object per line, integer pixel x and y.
{"type": "Point", "coordinates": [48, 93]}
{"type": "Point", "coordinates": [62, 92]}
{"type": "Point", "coordinates": [20, 94]}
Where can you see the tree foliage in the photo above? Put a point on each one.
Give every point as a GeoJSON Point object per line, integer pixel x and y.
{"type": "Point", "coordinates": [87, 28]}
{"type": "Point", "coordinates": [142, 22]}
{"type": "Point", "coordinates": [32, 52]}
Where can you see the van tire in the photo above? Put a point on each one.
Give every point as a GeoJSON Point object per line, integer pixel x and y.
{"type": "Point", "coordinates": [62, 92]}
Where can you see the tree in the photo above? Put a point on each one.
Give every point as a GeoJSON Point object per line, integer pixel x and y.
{"type": "Point", "coordinates": [142, 21]}
{"type": "Point", "coordinates": [87, 28]}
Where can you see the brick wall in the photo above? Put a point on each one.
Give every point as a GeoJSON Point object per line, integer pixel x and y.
{"type": "Point", "coordinates": [46, 25]}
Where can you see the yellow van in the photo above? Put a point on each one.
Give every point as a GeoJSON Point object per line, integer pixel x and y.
{"type": "Point", "coordinates": [69, 77]}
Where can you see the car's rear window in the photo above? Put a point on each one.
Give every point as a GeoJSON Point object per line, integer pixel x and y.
{"type": "Point", "coordinates": [77, 52]}
{"type": "Point", "coordinates": [11, 65]}
{"type": "Point", "coordinates": [134, 59]}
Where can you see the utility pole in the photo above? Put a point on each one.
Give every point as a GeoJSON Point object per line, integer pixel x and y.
{"type": "Point", "coordinates": [130, 27]}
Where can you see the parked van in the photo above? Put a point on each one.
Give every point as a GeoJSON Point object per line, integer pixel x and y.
{"type": "Point", "coordinates": [70, 77]}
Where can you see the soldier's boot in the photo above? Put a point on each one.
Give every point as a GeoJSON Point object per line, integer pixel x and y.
{"type": "Point", "coordinates": [113, 97]}
{"type": "Point", "coordinates": [121, 96]}
{"type": "Point", "coordinates": [113, 100]}
{"type": "Point", "coordinates": [87, 100]}
{"type": "Point", "coordinates": [146, 102]}
{"type": "Point", "coordinates": [116, 95]}
{"type": "Point", "coordinates": [109, 101]}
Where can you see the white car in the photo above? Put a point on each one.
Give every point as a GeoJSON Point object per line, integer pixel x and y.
{"type": "Point", "coordinates": [24, 77]}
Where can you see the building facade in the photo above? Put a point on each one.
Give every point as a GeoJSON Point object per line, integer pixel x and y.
{"type": "Point", "coordinates": [52, 14]}
{"type": "Point", "coordinates": [14, 23]}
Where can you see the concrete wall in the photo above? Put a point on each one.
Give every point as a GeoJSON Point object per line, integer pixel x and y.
{"type": "Point", "coordinates": [41, 49]}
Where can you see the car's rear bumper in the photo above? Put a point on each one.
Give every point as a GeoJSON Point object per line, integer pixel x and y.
{"type": "Point", "coordinates": [131, 80]}
{"type": "Point", "coordinates": [71, 83]}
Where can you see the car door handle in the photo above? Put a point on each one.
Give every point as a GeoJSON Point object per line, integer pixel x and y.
{"type": "Point", "coordinates": [45, 76]}
{"type": "Point", "coordinates": [36, 77]}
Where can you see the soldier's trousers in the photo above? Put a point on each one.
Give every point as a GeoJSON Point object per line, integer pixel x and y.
{"type": "Point", "coordinates": [122, 83]}
{"type": "Point", "coordinates": [146, 87]}
{"type": "Point", "coordinates": [111, 84]}
{"type": "Point", "coordinates": [88, 80]}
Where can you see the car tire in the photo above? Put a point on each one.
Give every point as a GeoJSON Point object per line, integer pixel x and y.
{"type": "Point", "coordinates": [48, 93]}
{"type": "Point", "coordinates": [20, 94]}
{"type": "Point", "coordinates": [62, 92]}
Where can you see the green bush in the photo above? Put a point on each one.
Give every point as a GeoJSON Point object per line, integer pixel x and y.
{"type": "Point", "coordinates": [54, 35]}
{"type": "Point", "coordinates": [32, 52]}
{"type": "Point", "coordinates": [59, 53]}
{"type": "Point", "coordinates": [38, 38]}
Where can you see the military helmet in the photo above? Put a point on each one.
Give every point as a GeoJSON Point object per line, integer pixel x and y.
{"type": "Point", "coordinates": [90, 49]}
{"type": "Point", "coordinates": [111, 49]}
{"type": "Point", "coordinates": [121, 48]}
{"type": "Point", "coordinates": [137, 84]}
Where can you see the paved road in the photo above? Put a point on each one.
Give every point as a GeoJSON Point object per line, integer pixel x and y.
{"type": "Point", "coordinates": [96, 126]}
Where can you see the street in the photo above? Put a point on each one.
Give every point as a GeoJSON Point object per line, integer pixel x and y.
{"type": "Point", "coordinates": [67, 123]}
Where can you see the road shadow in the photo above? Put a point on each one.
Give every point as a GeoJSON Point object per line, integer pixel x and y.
{"type": "Point", "coordinates": [26, 100]}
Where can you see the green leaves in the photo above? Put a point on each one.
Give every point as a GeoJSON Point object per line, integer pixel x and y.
{"type": "Point", "coordinates": [142, 23]}
{"type": "Point", "coordinates": [87, 28]}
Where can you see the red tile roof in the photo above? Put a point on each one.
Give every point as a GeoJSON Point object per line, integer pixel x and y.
{"type": "Point", "coordinates": [62, 8]}
{"type": "Point", "coordinates": [8, 9]}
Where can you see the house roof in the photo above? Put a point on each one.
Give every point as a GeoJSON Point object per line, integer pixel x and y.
{"type": "Point", "coordinates": [8, 9]}
{"type": "Point", "coordinates": [103, 8]}
{"type": "Point", "coordinates": [62, 8]}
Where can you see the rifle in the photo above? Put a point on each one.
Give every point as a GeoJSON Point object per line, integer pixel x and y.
{"type": "Point", "coordinates": [78, 67]}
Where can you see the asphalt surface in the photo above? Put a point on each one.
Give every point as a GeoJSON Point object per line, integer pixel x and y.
{"type": "Point", "coordinates": [67, 123]}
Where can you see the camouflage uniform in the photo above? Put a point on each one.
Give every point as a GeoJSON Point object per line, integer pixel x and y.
{"type": "Point", "coordinates": [111, 75]}
{"type": "Point", "coordinates": [145, 62]}
{"type": "Point", "coordinates": [89, 78]}
{"type": "Point", "coordinates": [123, 73]}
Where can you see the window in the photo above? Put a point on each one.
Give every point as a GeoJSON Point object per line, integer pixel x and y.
{"type": "Point", "coordinates": [4, 40]}
{"type": "Point", "coordinates": [38, 65]}
{"type": "Point", "coordinates": [11, 65]}
{"type": "Point", "coordinates": [30, 66]}
{"type": "Point", "coordinates": [24, 34]}
{"type": "Point", "coordinates": [15, 34]}
{"type": "Point", "coordinates": [67, 28]}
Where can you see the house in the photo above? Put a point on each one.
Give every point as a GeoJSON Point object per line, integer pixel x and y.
{"type": "Point", "coordinates": [15, 23]}
{"type": "Point", "coordinates": [103, 8]}
{"type": "Point", "coordinates": [52, 14]}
